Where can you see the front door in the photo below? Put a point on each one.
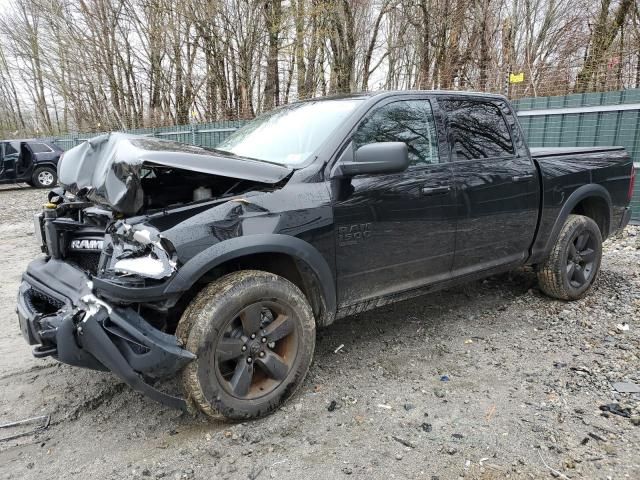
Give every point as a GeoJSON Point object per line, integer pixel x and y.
{"type": "Point", "coordinates": [8, 160]}
{"type": "Point", "coordinates": [396, 231]}
{"type": "Point", "coordinates": [496, 182]}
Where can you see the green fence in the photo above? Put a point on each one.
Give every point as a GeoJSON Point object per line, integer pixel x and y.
{"type": "Point", "coordinates": [585, 120]}
{"type": "Point", "coordinates": [590, 119]}
{"type": "Point", "coordinates": [204, 134]}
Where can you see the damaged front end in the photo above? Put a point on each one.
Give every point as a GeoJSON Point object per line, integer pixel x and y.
{"type": "Point", "coordinates": [101, 297]}
{"type": "Point", "coordinates": [59, 312]}
{"type": "Point", "coordinates": [65, 315]}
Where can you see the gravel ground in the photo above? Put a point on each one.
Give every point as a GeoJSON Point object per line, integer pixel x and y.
{"type": "Point", "coordinates": [527, 376]}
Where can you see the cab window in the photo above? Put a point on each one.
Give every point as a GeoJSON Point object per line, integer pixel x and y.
{"type": "Point", "coordinates": [40, 148]}
{"type": "Point", "coordinates": [477, 130]}
{"type": "Point", "coordinates": [9, 149]}
{"type": "Point", "coordinates": [408, 121]}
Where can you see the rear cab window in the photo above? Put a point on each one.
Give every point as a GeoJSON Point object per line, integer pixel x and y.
{"type": "Point", "coordinates": [477, 129]}
{"type": "Point", "coordinates": [408, 121]}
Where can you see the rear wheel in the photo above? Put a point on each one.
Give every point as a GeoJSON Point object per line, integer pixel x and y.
{"type": "Point", "coordinates": [254, 335]}
{"type": "Point", "coordinates": [44, 177]}
{"type": "Point", "coordinates": [574, 262]}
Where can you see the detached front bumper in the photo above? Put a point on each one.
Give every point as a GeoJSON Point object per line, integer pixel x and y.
{"type": "Point", "coordinates": [61, 317]}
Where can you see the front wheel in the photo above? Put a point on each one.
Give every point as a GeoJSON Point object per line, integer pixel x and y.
{"type": "Point", "coordinates": [254, 335]}
{"type": "Point", "coordinates": [574, 262]}
{"type": "Point", "coordinates": [44, 177]}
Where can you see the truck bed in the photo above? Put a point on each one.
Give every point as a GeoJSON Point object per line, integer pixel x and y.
{"type": "Point", "coordinates": [602, 171]}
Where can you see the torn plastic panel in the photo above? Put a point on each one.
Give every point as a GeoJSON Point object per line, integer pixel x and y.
{"type": "Point", "coordinates": [139, 250]}
{"type": "Point", "coordinates": [128, 172]}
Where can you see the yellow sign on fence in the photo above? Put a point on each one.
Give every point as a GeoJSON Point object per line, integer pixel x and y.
{"type": "Point", "coordinates": [516, 77]}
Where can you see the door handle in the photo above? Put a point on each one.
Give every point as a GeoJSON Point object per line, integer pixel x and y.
{"type": "Point", "coordinates": [435, 190]}
{"type": "Point", "coordinates": [522, 178]}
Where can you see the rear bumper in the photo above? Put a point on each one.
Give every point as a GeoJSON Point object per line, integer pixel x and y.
{"type": "Point", "coordinates": [61, 317]}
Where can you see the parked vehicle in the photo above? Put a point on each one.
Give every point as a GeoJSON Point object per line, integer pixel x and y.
{"type": "Point", "coordinates": [30, 161]}
{"type": "Point", "coordinates": [219, 264]}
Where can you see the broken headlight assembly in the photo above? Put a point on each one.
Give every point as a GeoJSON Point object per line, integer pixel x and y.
{"type": "Point", "coordinates": [141, 251]}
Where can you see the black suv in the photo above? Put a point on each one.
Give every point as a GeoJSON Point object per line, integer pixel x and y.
{"type": "Point", "coordinates": [217, 265]}
{"type": "Point", "coordinates": [31, 161]}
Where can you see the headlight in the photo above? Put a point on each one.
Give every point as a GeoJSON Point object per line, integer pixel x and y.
{"type": "Point", "coordinates": [144, 266]}
{"type": "Point", "coordinates": [142, 251]}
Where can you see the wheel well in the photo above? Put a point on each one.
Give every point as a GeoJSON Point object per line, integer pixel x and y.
{"type": "Point", "coordinates": [286, 266]}
{"type": "Point", "coordinates": [45, 164]}
{"type": "Point", "coordinates": [595, 208]}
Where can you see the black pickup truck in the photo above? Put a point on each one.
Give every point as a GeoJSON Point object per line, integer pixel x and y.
{"type": "Point", "coordinates": [218, 265]}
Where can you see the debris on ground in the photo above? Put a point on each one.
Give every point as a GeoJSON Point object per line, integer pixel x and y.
{"type": "Point", "coordinates": [581, 369]}
{"type": "Point", "coordinates": [626, 387]}
{"type": "Point", "coordinates": [426, 427]}
{"type": "Point", "coordinates": [616, 409]}
{"type": "Point", "coordinates": [42, 423]}
{"type": "Point", "coordinates": [404, 442]}
{"type": "Point", "coordinates": [622, 327]}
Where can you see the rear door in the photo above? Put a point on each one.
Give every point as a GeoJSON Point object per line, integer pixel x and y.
{"type": "Point", "coordinates": [496, 183]}
{"type": "Point", "coordinates": [396, 231]}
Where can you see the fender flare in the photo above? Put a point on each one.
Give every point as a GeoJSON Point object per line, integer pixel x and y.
{"type": "Point", "coordinates": [45, 163]}
{"type": "Point", "coordinates": [585, 191]}
{"type": "Point", "coordinates": [238, 247]}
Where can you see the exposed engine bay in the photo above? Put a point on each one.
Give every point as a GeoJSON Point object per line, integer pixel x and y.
{"type": "Point", "coordinates": [164, 187]}
{"type": "Point", "coordinates": [130, 174]}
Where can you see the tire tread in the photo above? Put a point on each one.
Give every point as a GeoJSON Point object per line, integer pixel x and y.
{"type": "Point", "coordinates": [196, 326]}
{"type": "Point", "coordinates": [551, 271]}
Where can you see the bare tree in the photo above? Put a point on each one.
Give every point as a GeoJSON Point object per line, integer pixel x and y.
{"type": "Point", "coordinates": [95, 65]}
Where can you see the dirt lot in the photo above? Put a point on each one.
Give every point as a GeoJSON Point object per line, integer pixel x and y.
{"type": "Point", "coordinates": [526, 377]}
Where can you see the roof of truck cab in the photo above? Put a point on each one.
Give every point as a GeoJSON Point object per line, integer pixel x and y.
{"type": "Point", "coordinates": [396, 93]}
{"type": "Point", "coordinates": [461, 93]}
{"type": "Point", "coordinates": [35, 140]}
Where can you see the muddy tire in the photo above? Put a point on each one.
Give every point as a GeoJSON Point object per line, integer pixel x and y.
{"type": "Point", "coordinates": [574, 262]}
{"type": "Point", "coordinates": [254, 335]}
{"type": "Point", "coordinates": [44, 177]}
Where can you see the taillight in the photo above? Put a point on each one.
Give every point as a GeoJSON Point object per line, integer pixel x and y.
{"type": "Point", "coordinates": [631, 183]}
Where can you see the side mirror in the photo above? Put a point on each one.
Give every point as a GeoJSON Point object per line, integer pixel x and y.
{"type": "Point", "coordinates": [382, 157]}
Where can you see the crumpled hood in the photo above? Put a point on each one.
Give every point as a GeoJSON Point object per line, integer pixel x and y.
{"type": "Point", "coordinates": [107, 169]}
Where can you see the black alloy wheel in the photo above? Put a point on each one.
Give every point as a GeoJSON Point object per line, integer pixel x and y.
{"type": "Point", "coordinates": [257, 349]}
{"type": "Point", "coordinates": [581, 259]}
